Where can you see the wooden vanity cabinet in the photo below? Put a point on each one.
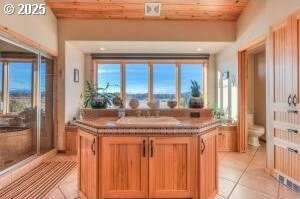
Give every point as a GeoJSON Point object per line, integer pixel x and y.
{"type": "Point", "coordinates": [227, 138]}
{"type": "Point", "coordinates": [137, 166]}
{"type": "Point", "coordinates": [171, 167]}
{"type": "Point", "coordinates": [124, 167]}
{"type": "Point", "coordinates": [88, 165]}
{"type": "Point", "coordinates": [208, 165]}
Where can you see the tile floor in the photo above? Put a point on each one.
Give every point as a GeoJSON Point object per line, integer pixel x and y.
{"type": "Point", "coordinates": [241, 176]}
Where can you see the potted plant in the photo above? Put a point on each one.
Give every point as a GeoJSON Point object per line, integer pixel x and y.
{"type": "Point", "coordinates": [196, 100]}
{"type": "Point", "coordinates": [95, 97]}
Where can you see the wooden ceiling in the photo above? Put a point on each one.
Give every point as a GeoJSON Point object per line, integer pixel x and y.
{"type": "Point", "coordinates": [225, 10]}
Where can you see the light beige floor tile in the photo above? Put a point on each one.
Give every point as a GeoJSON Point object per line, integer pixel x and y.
{"type": "Point", "coordinates": [225, 187]}
{"type": "Point", "coordinates": [230, 173]}
{"type": "Point", "coordinates": [219, 197]}
{"type": "Point", "coordinates": [69, 189]}
{"type": "Point", "coordinates": [261, 184]}
{"type": "Point", "coordinates": [242, 192]}
{"type": "Point", "coordinates": [55, 194]}
{"type": "Point", "coordinates": [5, 180]}
{"type": "Point", "coordinates": [234, 163]}
{"type": "Point", "coordinates": [257, 170]}
{"type": "Point", "coordinates": [285, 193]}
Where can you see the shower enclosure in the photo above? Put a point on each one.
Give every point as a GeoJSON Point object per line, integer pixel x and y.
{"type": "Point", "coordinates": [26, 104]}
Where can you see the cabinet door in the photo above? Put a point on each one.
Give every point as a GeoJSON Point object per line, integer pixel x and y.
{"type": "Point", "coordinates": [88, 165]}
{"type": "Point", "coordinates": [282, 63]}
{"type": "Point", "coordinates": [227, 140]}
{"type": "Point", "coordinates": [296, 57]}
{"type": "Point", "coordinates": [124, 167]}
{"type": "Point", "coordinates": [287, 161]}
{"type": "Point", "coordinates": [171, 167]}
{"type": "Point", "coordinates": [208, 165]}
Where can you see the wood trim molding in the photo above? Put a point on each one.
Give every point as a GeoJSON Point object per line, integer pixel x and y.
{"type": "Point", "coordinates": [254, 43]}
{"type": "Point", "coordinates": [27, 41]}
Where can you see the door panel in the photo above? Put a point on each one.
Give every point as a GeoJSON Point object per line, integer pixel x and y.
{"type": "Point", "coordinates": [282, 63]}
{"type": "Point", "coordinates": [208, 165]}
{"type": "Point", "coordinates": [171, 168]}
{"type": "Point", "coordinates": [125, 167]}
{"type": "Point", "coordinates": [88, 170]}
{"type": "Point", "coordinates": [287, 162]}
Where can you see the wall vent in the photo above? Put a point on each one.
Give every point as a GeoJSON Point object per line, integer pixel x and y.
{"type": "Point", "coordinates": [152, 9]}
{"type": "Point", "coordinates": [288, 183]}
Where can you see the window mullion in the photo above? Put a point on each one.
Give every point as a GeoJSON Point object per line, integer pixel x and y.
{"type": "Point", "coordinates": [178, 83]}
{"type": "Point", "coordinates": [5, 88]}
{"type": "Point", "coordinates": [150, 82]}
{"type": "Point", "coordinates": [123, 82]}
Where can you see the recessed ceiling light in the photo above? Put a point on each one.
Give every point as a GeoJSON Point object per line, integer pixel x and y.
{"type": "Point", "coordinates": [102, 49]}
{"type": "Point", "coordinates": [199, 49]}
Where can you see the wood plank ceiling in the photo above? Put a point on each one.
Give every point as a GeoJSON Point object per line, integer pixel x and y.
{"type": "Point", "coordinates": [225, 10]}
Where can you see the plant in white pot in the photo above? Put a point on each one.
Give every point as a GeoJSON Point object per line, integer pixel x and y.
{"type": "Point", "coordinates": [196, 100]}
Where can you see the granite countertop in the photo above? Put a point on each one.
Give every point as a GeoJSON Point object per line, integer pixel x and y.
{"type": "Point", "coordinates": [108, 125]}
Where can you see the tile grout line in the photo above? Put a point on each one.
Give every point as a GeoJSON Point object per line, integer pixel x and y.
{"type": "Point", "coordinates": [62, 192]}
{"type": "Point", "coordinates": [242, 174]}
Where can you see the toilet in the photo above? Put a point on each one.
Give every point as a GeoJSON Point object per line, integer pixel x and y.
{"type": "Point", "coordinates": [254, 131]}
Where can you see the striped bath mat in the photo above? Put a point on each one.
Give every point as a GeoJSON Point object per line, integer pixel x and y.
{"type": "Point", "coordinates": [39, 182]}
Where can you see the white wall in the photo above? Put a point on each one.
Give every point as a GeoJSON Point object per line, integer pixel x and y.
{"type": "Point", "coordinates": [74, 60]}
{"type": "Point", "coordinates": [254, 23]}
{"type": "Point", "coordinates": [39, 28]}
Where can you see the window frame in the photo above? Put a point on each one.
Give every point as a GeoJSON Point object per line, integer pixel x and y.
{"type": "Point", "coordinates": [5, 82]}
{"type": "Point", "coordinates": [151, 62]}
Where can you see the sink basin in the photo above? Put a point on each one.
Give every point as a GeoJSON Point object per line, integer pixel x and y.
{"type": "Point", "coordinates": [151, 121]}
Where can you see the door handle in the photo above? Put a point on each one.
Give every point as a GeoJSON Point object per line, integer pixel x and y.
{"type": "Point", "coordinates": [202, 146]}
{"type": "Point", "coordinates": [292, 111]}
{"type": "Point", "coordinates": [144, 148]}
{"type": "Point", "coordinates": [93, 146]}
{"type": "Point", "coordinates": [151, 149]}
{"type": "Point", "coordinates": [290, 100]}
{"type": "Point", "coordinates": [292, 150]}
{"type": "Point", "coordinates": [292, 130]}
{"type": "Point", "coordinates": [295, 100]}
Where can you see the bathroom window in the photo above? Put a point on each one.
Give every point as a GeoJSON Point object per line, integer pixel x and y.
{"type": "Point", "coordinates": [164, 83]}
{"type": "Point", "coordinates": [20, 86]}
{"type": "Point", "coordinates": [137, 83]}
{"type": "Point", "coordinates": [146, 80]}
{"type": "Point", "coordinates": [109, 75]}
{"type": "Point", "coordinates": [190, 72]}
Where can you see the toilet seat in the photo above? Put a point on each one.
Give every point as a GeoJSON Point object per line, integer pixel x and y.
{"type": "Point", "coordinates": [256, 128]}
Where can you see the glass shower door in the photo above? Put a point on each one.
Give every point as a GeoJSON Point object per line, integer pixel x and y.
{"type": "Point", "coordinates": [47, 127]}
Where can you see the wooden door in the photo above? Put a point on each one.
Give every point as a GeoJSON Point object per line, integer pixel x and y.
{"type": "Point", "coordinates": [208, 174]}
{"type": "Point", "coordinates": [124, 167]}
{"type": "Point", "coordinates": [171, 167]}
{"type": "Point", "coordinates": [282, 64]}
{"type": "Point", "coordinates": [287, 161]}
{"type": "Point", "coordinates": [88, 165]}
{"type": "Point", "coordinates": [296, 57]}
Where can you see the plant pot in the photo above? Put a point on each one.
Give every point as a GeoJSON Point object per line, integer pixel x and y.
{"type": "Point", "coordinates": [196, 102]}
{"type": "Point", "coordinates": [98, 103]}
{"type": "Point", "coordinates": [172, 104]}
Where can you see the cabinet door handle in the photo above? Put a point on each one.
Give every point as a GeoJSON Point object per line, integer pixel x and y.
{"type": "Point", "coordinates": [151, 149]}
{"type": "Point", "coordinates": [144, 148]}
{"type": "Point", "coordinates": [292, 150]}
{"type": "Point", "coordinates": [202, 146]}
{"type": "Point", "coordinates": [93, 146]}
{"type": "Point", "coordinates": [292, 130]}
{"type": "Point", "coordinates": [292, 111]}
{"type": "Point", "coordinates": [290, 100]}
{"type": "Point", "coordinates": [295, 100]}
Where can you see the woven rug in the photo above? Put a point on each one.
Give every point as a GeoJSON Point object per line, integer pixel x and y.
{"type": "Point", "coordinates": [39, 182]}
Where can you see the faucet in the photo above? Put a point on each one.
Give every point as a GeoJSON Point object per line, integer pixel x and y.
{"type": "Point", "coordinates": [148, 113]}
